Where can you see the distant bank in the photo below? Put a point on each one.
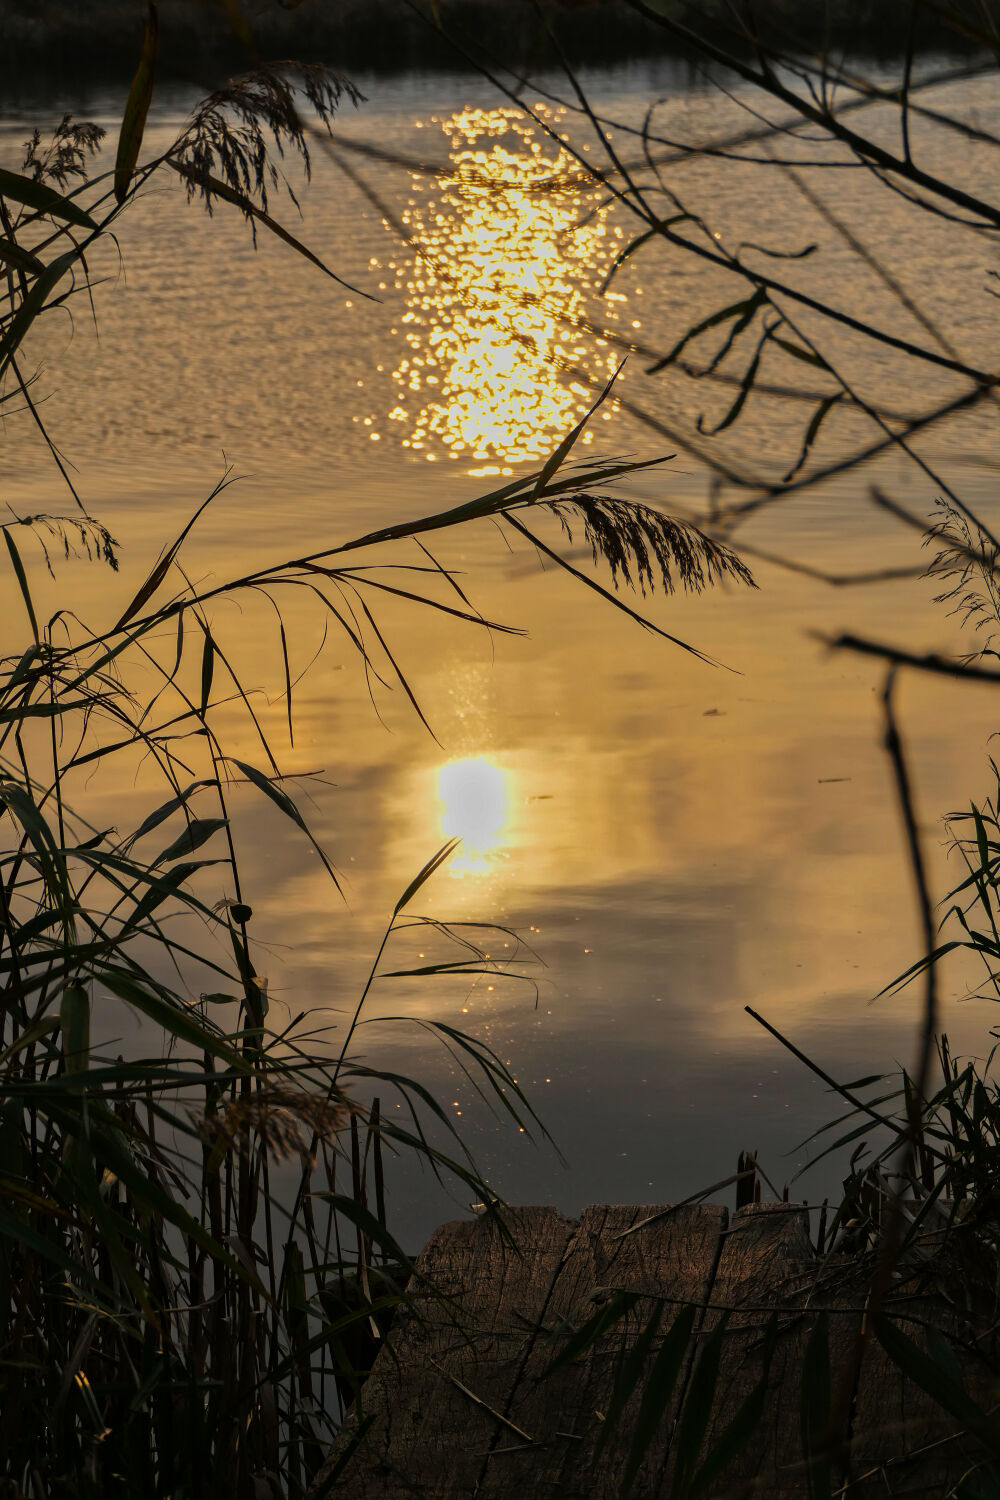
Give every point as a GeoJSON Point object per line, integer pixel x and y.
{"type": "Point", "coordinates": [97, 40]}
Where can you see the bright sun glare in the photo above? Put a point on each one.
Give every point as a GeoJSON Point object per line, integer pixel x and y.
{"type": "Point", "coordinates": [510, 254]}
{"type": "Point", "coordinates": [475, 799]}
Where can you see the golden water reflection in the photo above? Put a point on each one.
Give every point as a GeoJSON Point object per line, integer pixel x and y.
{"type": "Point", "coordinates": [475, 807]}
{"type": "Point", "coordinates": [510, 255]}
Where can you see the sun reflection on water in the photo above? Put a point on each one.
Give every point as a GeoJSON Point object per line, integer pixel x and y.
{"type": "Point", "coordinates": [475, 798]}
{"type": "Point", "coordinates": [509, 256]}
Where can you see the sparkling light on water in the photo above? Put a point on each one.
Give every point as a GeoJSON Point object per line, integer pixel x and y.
{"type": "Point", "coordinates": [510, 252]}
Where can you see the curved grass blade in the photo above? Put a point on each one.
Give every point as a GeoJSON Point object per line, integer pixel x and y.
{"type": "Point", "coordinates": [746, 386]}
{"type": "Point", "coordinates": [815, 1408]}
{"type": "Point", "coordinates": [50, 858]}
{"type": "Point", "coordinates": [13, 254]}
{"type": "Point", "coordinates": [659, 1389]}
{"type": "Point", "coordinates": [562, 450]}
{"type": "Point", "coordinates": [207, 673]}
{"type": "Point", "coordinates": [371, 1227]}
{"type": "Point", "coordinates": [43, 199]}
{"type": "Point", "coordinates": [162, 566]}
{"type": "Point", "coordinates": [744, 1424]}
{"type": "Point", "coordinates": [164, 811]}
{"type": "Point", "coordinates": [743, 311]}
{"type": "Point", "coordinates": [598, 588]}
{"type": "Point", "coordinates": [325, 1481]}
{"type": "Point", "coordinates": [627, 1378]}
{"type": "Point", "coordinates": [220, 189]}
{"type": "Point", "coordinates": [14, 1231]}
{"type": "Point", "coordinates": [434, 863]}
{"type": "Point", "coordinates": [197, 832]}
{"type": "Point", "coordinates": [22, 583]}
{"type": "Point", "coordinates": [185, 1025]}
{"type": "Point", "coordinates": [812, 432]}
{"type": "Point", "coordinates": [698, 1406]}
{"type": "Point", "coordinates": [137, 107]}
{"type": "Point", "coordinates": [282, 800]}
{"type": "Point", "coordinates": [618, 1305]}
{"type": "Point", "coordinates": [74, 1023]}
{"type": "Point", "coordinates": [938, 1381]}
{"type": "Point", "coordinates": [658, 226]}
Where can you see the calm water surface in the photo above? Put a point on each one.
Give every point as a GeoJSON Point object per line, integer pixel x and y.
{"type": "Point", "coordinates": [675, 840]}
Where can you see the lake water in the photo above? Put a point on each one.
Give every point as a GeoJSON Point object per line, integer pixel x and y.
{"type": "Point", "coordinates": [675, 840]}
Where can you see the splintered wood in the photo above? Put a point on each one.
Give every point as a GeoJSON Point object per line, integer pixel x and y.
{"type": "Point", "coordinates": [456, 1405]}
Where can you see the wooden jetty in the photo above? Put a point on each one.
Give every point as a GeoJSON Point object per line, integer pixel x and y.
{"type": "Point", "coordinates": [454, 1406]}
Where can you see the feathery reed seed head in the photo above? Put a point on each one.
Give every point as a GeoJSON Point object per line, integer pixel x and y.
{"type": "Point", "coordinates": [277, 1116]}
{"type": "Point", "coordinates": [638, 543]}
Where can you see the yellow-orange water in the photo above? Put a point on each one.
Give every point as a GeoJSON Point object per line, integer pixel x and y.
{"type": "Point", "coordinates": [674, 840]}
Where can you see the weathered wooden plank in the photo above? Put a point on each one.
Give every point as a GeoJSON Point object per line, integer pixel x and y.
{"type": "Point", "coordinates": [460, 1410]}
{"type": "Point", "coordinates": [552, 1411]}
{"type": "Point", "coordinates": [902, 1442]}
{"type": "Point", "coordinates": [897, 1433]}
{"type": "Point", "coordinates": [506, 1322]}
{"type": "Point", "coordinates": [671, 1256]}
{"type": "Point", "coordinates": [767, 1262]}
{"type": "Point", "coordinates": [451, 1366]}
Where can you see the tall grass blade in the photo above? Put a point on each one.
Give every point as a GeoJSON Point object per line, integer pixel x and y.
{"type": "Point", "coordinates": [74, 1023]}
{"type": "Point", "coordinates": [616, 1307]}
{"type": "Point", "coordinates": [744, 1424]}
{"type": "Point", "coordinates": [816, 1410]}
{"type": "Point", "coordinates": [219, 189]}
{"type": "Point", "coordinates": [741, 312]}
{"type": "Point", "coordinates": [13, 254]}
{"type": "Point", "coordinates": [433, 864]}
{"type": "Point", "coordinates": [938, 1381]}
{"type": "Point", "coordinates": [699, 1403]}
{"type": "Point", "coordinates": [22, 583]}
{"type": "Point", "coordinates": [137, 106]}
{"type": "Point", "coordinates": [43, 199]}
{"type": "Point", "coordinates": [562, 450]}
{"type": "Point", "coordinates": [33, 304]}
{"type": "Point", "coordinates": [197, 832]}
{"type": "Point", "coordinates": [658, 1390]}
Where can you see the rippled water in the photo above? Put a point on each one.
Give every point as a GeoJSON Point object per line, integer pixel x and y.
{"type": "Point", "coordinates": [674, 840]}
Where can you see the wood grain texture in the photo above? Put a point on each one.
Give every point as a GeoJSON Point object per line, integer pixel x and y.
{"type": "Point", "coordinates": [902, 1442]}
{"type": "Point", "coordinates": [767, 1263]}
{"type": "Point", "coordinates": [461, 1411]}
{"type": "Point", "coordinates": [454, 1359]}
{"type": "Point", "coordinates": [673, 1257]}
{"type": "Point", "coordinates": [503, 1323]}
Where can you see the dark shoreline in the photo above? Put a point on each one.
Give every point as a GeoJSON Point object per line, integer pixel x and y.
{"type": "Point", "coordinates": [61, 43]}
